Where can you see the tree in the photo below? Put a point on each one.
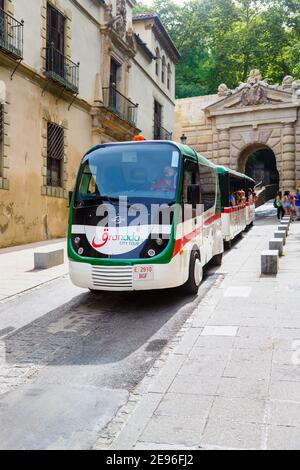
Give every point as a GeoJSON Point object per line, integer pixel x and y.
{"type": "Point", "coordinates": [222, 40]}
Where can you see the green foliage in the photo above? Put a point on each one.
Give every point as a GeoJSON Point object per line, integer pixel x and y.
{"type": "Point", "coordinates": [222, 40]}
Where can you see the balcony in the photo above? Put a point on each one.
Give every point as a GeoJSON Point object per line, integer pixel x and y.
{"type": "Point", "coordinates": [120, 105]}
{"type": "Point", "coordinates": [162, 134]}
{"type": "Point", "coordinates": [62, 70]}
{"type": "Point", "coordinates": [11, 35]}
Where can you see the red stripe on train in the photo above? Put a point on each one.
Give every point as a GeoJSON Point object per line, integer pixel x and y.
{"type": "Point", "coordinates": [181, 242]}
{"type": "Point", "coordinates": [229, 210]}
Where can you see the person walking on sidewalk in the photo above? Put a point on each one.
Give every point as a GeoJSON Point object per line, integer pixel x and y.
{"type": "Point", "coordinates": [287, 206]}
{"type": "Point", "coordinates": [278, 204]}
{"type": "Point", "coordinates": [297, 204]}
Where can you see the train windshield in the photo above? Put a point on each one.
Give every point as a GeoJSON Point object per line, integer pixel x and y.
{"type": "Point", "coordinates": [143, 172]}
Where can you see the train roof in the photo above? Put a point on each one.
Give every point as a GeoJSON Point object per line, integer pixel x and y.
{"type": "Point", "coordinates": [186, 150]}
{"type": "Point", "coordinates": [224, 169]}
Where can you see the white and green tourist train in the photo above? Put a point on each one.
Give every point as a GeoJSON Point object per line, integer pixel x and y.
{"type": "Point", "coordinates": [151, 215]}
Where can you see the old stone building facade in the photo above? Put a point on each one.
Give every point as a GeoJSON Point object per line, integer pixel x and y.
{"type": "Point", "coordinates": [254, 119]}
{"type": "Point", "coordinates": [69, 80]}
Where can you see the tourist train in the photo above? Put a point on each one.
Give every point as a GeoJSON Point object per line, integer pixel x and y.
{"type": "Point", "coordinates": [151, 214]}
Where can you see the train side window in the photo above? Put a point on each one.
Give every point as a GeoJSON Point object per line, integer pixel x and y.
{"type": "Point", "coordinates": [207, 186]}
{"type": "Point", "coordinates": [191, 176]}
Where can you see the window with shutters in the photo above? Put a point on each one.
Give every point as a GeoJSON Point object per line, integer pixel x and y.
{"type": "Point", "coordinates": [55, 154]}
{"type": "Point", "coordinates": [55, 60]}
{"type": "Point", "coordinates": [169, 77]}
{"type": "Point", "coordinates": [55, 29]}
{"type": "Point", "coordinates": [157, 120]}
{"type": "Point", "coordinates": [163, 69]}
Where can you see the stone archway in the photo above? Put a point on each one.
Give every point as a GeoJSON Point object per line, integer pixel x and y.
{"type": "Point", "coordinates": [256, 116]}
{"type": "Point", "coordinates": [259, 162]}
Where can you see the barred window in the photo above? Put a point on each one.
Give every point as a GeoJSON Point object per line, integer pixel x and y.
{"type": "Point", "coordinates": [55, 154]}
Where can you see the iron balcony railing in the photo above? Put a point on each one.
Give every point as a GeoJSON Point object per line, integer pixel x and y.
{"type": "Point", "coordinates": [162, 134]}
{"type": "Point", "coordinates": [11, 35]}
{"type": "Point", "coordinates": [61, 69]}
{"type": "Point", "coordinates": [119, 104]}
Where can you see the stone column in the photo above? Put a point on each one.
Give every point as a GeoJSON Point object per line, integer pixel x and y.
{"type": "Point", "coordinates": [288, 157]}
{"type": "Point", "coordinates": [224, 147]}
{"type": "Point", "coordinates": [215, 147]}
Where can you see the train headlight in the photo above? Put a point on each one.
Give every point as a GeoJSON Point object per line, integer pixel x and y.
{"type": "Point", "coordinates": [159, 241]}
{"type": "Point", "coordinates": [77, 240]}
{"type": "Point", "coordinates": [151, 253]}
{"type": "Point", "coordinates": [80, 251]}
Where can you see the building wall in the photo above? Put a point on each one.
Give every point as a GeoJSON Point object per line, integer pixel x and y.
{"type": "Point", "coordinates": [145, 95]}
{"type": "Point", "coordinates": [191, 120]}
{"type": "Point", "coordinates": [76, 38]}
{"type": "Point", "coordinates": [26, 214]}
{"type": "Point", "coordinates": [30, 210]}
{"type": "Point", "coordinates": [144, 71]}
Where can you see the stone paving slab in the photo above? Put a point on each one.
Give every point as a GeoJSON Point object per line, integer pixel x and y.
{"type": "Point", "coordinates": [237, 383]}
{"type": "Point", "coordinates": [226, 434]}
{"type": "Point", "coordinates": [283, 438]}
{"type": "Point", "coordinates": [178, 430]}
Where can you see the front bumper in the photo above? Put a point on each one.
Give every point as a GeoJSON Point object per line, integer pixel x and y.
{"type": "Point", "coordinates": [124, 278]}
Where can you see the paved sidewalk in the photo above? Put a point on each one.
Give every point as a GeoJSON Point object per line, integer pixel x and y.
{"type": "Point", "coordinates": [232, 379]}
{"type": "Point", "coordinates": [17, 272]}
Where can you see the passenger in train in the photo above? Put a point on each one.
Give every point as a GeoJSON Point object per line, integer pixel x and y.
{"type": "Point", "coordinates": [232, 200]}
{"type": "Point", "coordinates": [250, 196]}
{"type": "Point", "coordinates": [241, 197]}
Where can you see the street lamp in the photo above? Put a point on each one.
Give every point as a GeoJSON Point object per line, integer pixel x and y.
{"type": "Point", "coordinates": [183, 139]}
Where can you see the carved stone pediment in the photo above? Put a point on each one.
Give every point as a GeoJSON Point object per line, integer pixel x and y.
{"type": "Point", "coordinates": [255, 94]}
{"type": "Point", "coordinates": [251, 97]}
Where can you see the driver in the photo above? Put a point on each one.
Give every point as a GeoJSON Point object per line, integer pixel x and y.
{"type": "Point", "coordinates": [167, 183]}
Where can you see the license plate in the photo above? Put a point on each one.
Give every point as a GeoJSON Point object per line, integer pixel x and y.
{"type": "Point", "coordinates": [143, 273]}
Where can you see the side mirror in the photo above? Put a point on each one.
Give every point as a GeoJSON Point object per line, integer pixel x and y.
{"type": "Point", "coordinates": [70, 197]}
{"type": "Point", "coordinates": [194, 195]}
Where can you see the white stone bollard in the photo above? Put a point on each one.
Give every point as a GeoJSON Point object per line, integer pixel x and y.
{"type": "Point", "coordinates": [282, 228]}
{"type": "Point", "coordinates": [276, 244]}
{"type": "Point", "coordinates": [48, 260]}
{"type": "Point", "coordinates": [286, 221]}
{"type": "Point", "coordinates": [285, 224]}
{"type": "Point", "coordinates": [280, 234]}
{"type": "Point", "coordinates": [269, 262]}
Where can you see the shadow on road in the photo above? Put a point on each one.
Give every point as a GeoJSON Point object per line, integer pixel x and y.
{"type": "Point", "coordinates": [104, 328]}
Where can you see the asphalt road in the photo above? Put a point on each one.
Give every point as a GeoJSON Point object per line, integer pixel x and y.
{"type": "Point", "coordinates": [69, 359]}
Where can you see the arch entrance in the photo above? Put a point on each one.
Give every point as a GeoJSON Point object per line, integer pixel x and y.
{"type": "Point", "coordinates": [259, 162]}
